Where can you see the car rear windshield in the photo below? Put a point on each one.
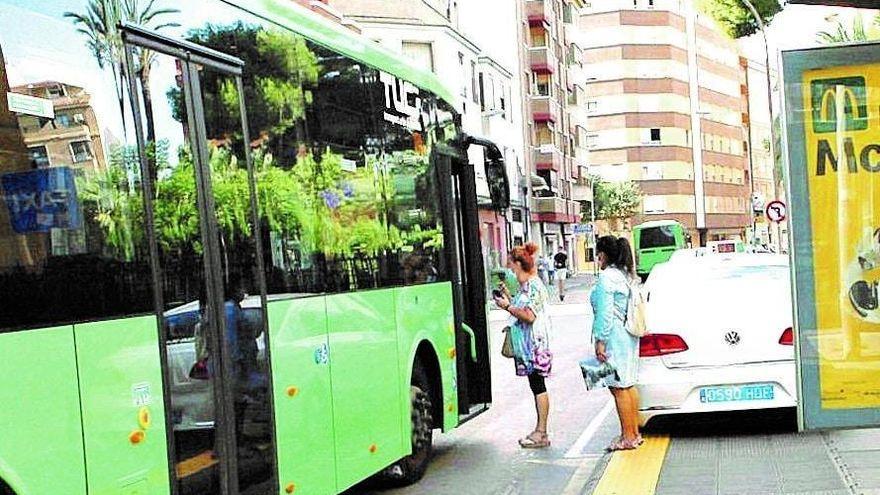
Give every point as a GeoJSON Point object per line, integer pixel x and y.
{"type": "Point", "coordinates": [655, 237]}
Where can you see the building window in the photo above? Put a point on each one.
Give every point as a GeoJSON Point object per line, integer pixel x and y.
{"type": "Point", "coordinates": [482, 85]}
{"type": "Point", "coordinates": [538, 37]}
{"type": "Point", "coordinates": [421, 53]}
{"type": "Point", "coordinates": [475, 96]}
{"type": "Point", "coordinates": [591, 141]}
{"type": "Point", "coordinates": [517, 215]}
{"type": "Point", "coordinates": [55, 91]}
{"type": "Point", "coordinates": [567, 15]}
{"type": "Point", "coordinates": [39, 157]}
{"type": "Point", "coordinates": [592, 105]}
{"type": "Point", "coordinates": [81, 151]}
{"type": "Point", "coordinates": [63, 120]}
{"type": "Point", "coordinates": [464, 86]}
{"type": "Point", "coordinates": [541, 84]}
{"type": "Point", "coordinates": [655, 136]}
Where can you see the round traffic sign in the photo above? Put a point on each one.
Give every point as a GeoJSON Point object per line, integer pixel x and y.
{"type": "Point", "coordinates": [776, 211]}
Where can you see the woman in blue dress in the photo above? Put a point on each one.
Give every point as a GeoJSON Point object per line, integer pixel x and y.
{"type": "Point", "coordinates": [613, 343]}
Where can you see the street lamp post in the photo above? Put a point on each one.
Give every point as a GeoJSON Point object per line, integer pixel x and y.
{"type": "Point", "coordinates": [772, 146]}
{"type": "Point", "coordinates": [593, 220]}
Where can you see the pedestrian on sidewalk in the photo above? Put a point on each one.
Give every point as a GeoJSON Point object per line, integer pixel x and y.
{"type": "Point", "coordinates": [560, 262]}
{"type": "Point", "coordinates": [530, 335]}
{"type": "Point", "coordinates": [544, 270]}
{"type": "Point", "coordinates": [613, 343]}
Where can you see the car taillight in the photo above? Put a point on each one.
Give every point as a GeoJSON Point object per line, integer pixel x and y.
{"type": "Point", "coordinates": [660, 344]}
{"type": "Point", "coordinates": [787, 337]}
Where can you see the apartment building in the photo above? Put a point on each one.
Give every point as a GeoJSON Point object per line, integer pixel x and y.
{"type": "Point", "coordinates": [71, 137]}
{"type": "Point", "coordinates": [667, 102]}
{"type": "Point", "coordinates": [553, 82]}
{"type": "Point", "coordinates": [451, 39]}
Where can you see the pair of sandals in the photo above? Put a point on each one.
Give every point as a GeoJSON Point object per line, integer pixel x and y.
{"type": "Point", "coordinates": [621, 443]}
{"type": "Point", "coordinates": [535, 440]}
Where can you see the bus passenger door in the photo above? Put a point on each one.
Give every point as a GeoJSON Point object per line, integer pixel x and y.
{"type": "Point", "coordinates": [464, 253]}
{"type": "Point", "coordinates": [200, 210]}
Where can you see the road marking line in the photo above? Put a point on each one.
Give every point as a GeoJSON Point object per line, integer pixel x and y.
{"type": "Point", "coordinates": [577, 447]}
{"type": "Point", "coordinates": [632, 472]}
{"type": "Point", "coordinates": [580, 478]}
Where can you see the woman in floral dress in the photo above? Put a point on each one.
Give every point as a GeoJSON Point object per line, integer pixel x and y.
{"type": "Point", "coordinates": [530, 335]}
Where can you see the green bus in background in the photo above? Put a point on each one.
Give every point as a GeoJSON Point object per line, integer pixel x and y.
{"type": "Point", "coordinates": [654, 243]}
{"type": "Point", "coordinates": [238, 252]}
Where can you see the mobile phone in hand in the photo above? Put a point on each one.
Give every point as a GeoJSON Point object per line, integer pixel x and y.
{"type": "Point", "coordinates": [496, 293]}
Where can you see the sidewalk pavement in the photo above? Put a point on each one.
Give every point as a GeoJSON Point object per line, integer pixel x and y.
{"type": "Point", "coordinates": [823, 463]}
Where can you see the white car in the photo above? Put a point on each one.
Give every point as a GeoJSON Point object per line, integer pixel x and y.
{"type": "Point", "coordinates": [720, 336]}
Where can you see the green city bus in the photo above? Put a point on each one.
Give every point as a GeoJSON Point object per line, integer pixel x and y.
{"type": "Point", "coordinates": [655, 241]}
{"type": "Point", "coordinates": [238, 252]}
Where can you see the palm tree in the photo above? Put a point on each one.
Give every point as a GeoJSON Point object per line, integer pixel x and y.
{"type": "Point", "coordinates": [149, 17]}
{"type": "Point", "coordinates": [100, 25]}
{"type": "Point", "coordinates": [841, 34]}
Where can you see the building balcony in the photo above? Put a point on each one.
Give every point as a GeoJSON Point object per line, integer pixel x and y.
{"type": "Point", "coordinates": [542, 60]}
{"type": "Point", "coordinates": [577, 117]}
{"type": "Point", "coordinates": [549, 205]}
{"type": "Point", "coordinates": [547, 157]}
{"type": "Point", "coordinates": [539, 12]}
{"type": "Point", "coordinates": [581, 191]}
{"type": "Point", "coordinates": [555, 210]}
{"type": "Point", "coordinates": [545, 109]}
{"type": "Point", "coordinates": [572, 33]}
{"type": "Point", "coordinates": [580, 160]}
{"type": "Point", "coordinates": [575, 171]}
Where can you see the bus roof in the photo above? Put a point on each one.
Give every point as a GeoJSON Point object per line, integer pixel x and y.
{"type": "Point", "coordinates": [656, 223]}
{"type": "Point", "coordinates": [288, 14]}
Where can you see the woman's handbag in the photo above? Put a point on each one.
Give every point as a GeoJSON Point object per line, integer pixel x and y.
{"type": "Point", "coordinates": [507, 346]}
{"type": "Point", "coordinates": [635, 313]}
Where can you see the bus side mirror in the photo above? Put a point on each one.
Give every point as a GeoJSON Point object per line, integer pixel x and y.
{"type": "Point", "coordinates": [496, 173]}
{"type": "Point", "coordinates": [499, 187]}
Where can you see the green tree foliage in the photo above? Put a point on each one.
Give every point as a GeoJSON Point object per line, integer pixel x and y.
{"type": "Point", "coordinates": [735, 18]}
{"type": "Point", "coordinates": [615, 201]}
{"type": "Point", "coordinates": [112, 199]}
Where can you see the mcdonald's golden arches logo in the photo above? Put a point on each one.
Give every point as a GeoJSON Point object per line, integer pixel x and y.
{"type": "Point", "coordinates": [824, 103]}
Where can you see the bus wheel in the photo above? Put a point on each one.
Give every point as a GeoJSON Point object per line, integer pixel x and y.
{"type": "Point", "coordinates": [411, 468]}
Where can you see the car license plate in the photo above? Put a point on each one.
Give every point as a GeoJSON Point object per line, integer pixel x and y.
{"type": "Point", "coordinates": [737, 393]}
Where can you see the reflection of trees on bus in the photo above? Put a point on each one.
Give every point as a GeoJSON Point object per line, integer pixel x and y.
{"type": "Point", "coordinates": [325, 226]}
{"type": "Point", "coordinates": [345, 215]}
{"type": "Point", "coordinates": [279, 70]}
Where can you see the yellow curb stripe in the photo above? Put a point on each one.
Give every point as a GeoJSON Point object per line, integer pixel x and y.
{"type": "Point", "coordinates": [634, 472]}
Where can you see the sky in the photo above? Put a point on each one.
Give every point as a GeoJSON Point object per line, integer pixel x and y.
{"type": "Point", "coordinates": [796, 27]}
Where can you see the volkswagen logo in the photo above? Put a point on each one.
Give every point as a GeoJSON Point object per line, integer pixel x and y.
{"type": "Point", "coordinates": [732, 337]}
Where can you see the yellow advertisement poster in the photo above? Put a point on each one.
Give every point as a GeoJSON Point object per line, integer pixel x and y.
{"type": "Point", "coordinates": [842, 134]}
